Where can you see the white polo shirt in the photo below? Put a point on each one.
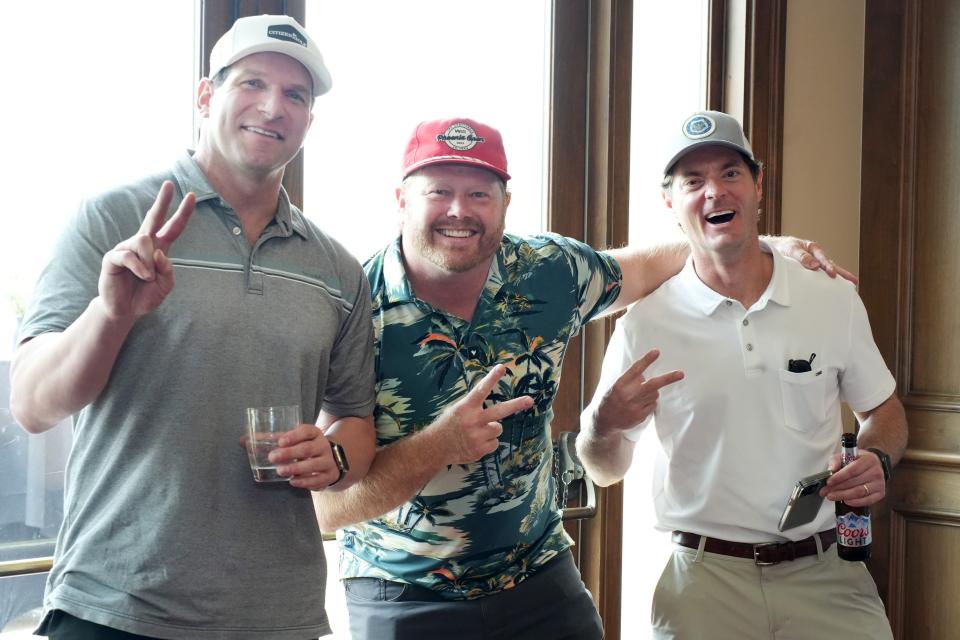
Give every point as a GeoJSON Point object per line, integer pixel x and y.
{"type": "Point", "coordinates": [739, 430]}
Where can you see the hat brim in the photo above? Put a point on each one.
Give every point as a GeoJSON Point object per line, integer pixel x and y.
{"type": "Point", "coordinates": [455, 159]}
{"type": "Point", "coordinates": [703, 143]}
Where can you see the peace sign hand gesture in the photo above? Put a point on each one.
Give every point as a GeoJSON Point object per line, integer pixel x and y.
{"type": "Point", "coordinates": [136, 275]}
{"type": "Point", "coordinates": [472, 431]}
{"type": "Point", "coordinates": [633, 397]}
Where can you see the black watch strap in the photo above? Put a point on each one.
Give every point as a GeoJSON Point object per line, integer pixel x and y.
{"type": "Point", "coordinates": [884, 462]}
{"type": "Point", "coordinates": [340, 457]}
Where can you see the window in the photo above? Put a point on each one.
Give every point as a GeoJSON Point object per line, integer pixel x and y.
{"type": "Point", "coordinates": [669, 81]}
{"type": "Point", "coordinates": [98, 100]}
{"type": "Point", "coordinates": [396, 64]}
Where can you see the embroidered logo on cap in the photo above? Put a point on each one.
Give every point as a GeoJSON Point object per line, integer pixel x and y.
{"type": "Point", "coordinates": [460, 137]}
{"type": "Point", "coordinates": [286, 32]}
{"type": "Point", "coordinates": [699, 126]}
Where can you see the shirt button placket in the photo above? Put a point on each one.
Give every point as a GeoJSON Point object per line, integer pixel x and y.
{"type": "Point", "coordinates": [748, 338]}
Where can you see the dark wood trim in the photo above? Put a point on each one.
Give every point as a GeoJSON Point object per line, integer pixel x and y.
{"type": "Point", "coordinates": [566, 189]}
{"type": "Point", "coordinates": [216, 16]}
{"type": "Point", "coordinates": [566, 160]}
{"type": "Point", "coordinates": [589, 167]}
{"type": "Point", "coordinates": [607, 218]}
{"type": "Point", "coordinates": [717, 18]}
{"type": "Point", "coordinates": [891, 43]}
{"type": "Point", "coordinates": [766, 60]}
{"type": "Point", "coordinates": [888, 157]}
{"type": "Point", "coordinates": [566, 168]}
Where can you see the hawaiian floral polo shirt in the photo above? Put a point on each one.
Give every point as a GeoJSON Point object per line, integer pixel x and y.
{"type": "Point", "coordinates": [478, 528]}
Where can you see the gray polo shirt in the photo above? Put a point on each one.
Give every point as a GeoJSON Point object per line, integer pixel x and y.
{"type": "Point", "coordinates": [165, 533]}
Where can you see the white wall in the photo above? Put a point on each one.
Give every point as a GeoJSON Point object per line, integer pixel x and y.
{"type": "Point", "coordinates": [822, 125]}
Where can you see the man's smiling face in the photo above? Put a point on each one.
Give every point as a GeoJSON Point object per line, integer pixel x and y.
{"type": "Point", "coordinates": [258, 118]}
{"type": "Point", "coordinates": [453, 217]}
{"type": "Point", "coordinates": [715, 199]}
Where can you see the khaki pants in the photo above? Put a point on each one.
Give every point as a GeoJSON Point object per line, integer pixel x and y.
{"type": "Point", "coordinates": [714, 597]}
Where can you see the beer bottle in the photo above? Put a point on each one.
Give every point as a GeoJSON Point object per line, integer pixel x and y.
{"type": "Point", "coordinates": [854, 540]}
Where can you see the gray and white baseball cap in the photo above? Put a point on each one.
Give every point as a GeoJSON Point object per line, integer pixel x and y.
{"type": "Point", "coordinates": [708, 127]}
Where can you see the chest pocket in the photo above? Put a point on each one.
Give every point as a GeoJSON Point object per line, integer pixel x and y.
{"type": "Point", "coordinates": [804, 398]}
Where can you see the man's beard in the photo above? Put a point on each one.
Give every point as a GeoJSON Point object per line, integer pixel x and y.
{"type": "Point", "coordinates": [456, 261]}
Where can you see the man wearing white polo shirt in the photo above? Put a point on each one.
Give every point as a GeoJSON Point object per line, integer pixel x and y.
{"type": "Point", "coordinates": [705, 359]}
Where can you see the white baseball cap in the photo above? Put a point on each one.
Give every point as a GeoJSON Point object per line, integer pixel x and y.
{"type": "Point", "coordinates": [708, 127]}
{"type": "Point", "coordinates": [274, 33]}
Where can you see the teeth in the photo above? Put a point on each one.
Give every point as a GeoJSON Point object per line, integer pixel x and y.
{"type": "Point", "coordinates": [456, 233]}
{"type": "Point", "coordinates": [264, 132]}
{"type": "Point", "coordinates": [717, 214]}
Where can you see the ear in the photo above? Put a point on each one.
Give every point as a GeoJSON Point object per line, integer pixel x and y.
{"type": "Point", "coordinates": [760, 185]}
{"type": "Point", "coordinates": [204, 95]}
{"type": "Point", "coordinates": [667, 198]}
{"type": "Point", "coordinates": [401, 206]}
{"type": "Point", "coordinates": [506, 200]}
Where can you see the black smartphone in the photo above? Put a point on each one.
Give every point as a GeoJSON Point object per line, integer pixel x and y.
{"type": "Point", "coordinates": [805, 500]}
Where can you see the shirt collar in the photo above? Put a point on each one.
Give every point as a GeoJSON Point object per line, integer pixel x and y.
{"type": "Point", "coordinates": [190, 177]}
{"type": "Point", "coordinates": [707, 300]}
{"type": "Point", "coordinates": [396, 286]}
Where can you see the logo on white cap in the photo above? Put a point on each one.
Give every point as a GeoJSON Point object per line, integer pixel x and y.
{"type": "Point", "coordinates": [460, 137]}
{"type": "Point", "coordinates": [699, 126]}
{"type": "Point", "coordinates": [286, 32]}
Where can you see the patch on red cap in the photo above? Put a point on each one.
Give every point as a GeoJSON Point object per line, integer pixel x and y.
{"type": "Point", "coordinates": [460, 136]}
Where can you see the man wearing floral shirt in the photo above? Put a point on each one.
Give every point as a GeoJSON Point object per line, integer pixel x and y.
{"type": "Point", "coordinates": [471, 326]}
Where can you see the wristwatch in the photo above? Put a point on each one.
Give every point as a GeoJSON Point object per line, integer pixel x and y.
{"type": "Point", "coordinates": [884, 462]}
{"type": "Point", "coordinates": [340, 457]}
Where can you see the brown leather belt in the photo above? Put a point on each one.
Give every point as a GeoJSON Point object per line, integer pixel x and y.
{"type": "Point", "coordinates": [765, 553]}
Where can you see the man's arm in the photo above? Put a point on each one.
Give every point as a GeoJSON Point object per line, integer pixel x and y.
{"type": "Point", "coordinates": [606, 455]}
{"type": "Point", "coordinates": [54, 375]}
{"type": "Point", "coordinates": [601, 444]}
{"type": "Point", "coordinates": [645, 269]}
{"type": "Point", "coordinates": [861, 483]}
{"type": "Point", "coordinates": [464, 433]}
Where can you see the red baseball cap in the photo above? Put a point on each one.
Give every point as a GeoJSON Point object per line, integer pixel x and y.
{"type": "Point", "coordinates": [456, 141]}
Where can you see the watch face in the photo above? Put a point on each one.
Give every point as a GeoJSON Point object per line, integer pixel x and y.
{"type": "Point", "coordinates": [339, 456]}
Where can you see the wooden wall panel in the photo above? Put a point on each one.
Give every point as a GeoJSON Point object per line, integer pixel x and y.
{"type": "Point", "coordinates": [934, 369]}
{"type": "Point", "coordinates": [925, 552]}
{"type": "Point", "coordinates": [930, 609]}
{"type": "Point", "coordinates": [910, 234]}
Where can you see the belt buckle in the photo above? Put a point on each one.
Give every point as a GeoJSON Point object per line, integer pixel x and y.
{"type": "Point", "coordinates": [756, 554]}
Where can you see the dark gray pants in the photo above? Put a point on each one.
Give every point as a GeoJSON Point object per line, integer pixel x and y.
{"type": "Point", "coordinates": [552, 603]}
{"type": "Point", "coordinates": [59, 625]}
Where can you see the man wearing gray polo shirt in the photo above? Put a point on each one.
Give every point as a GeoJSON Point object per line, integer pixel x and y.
{"type": "Point", "coordinates": [705, 358]}
{"type": "Point", "coordinates": [165, 533]}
